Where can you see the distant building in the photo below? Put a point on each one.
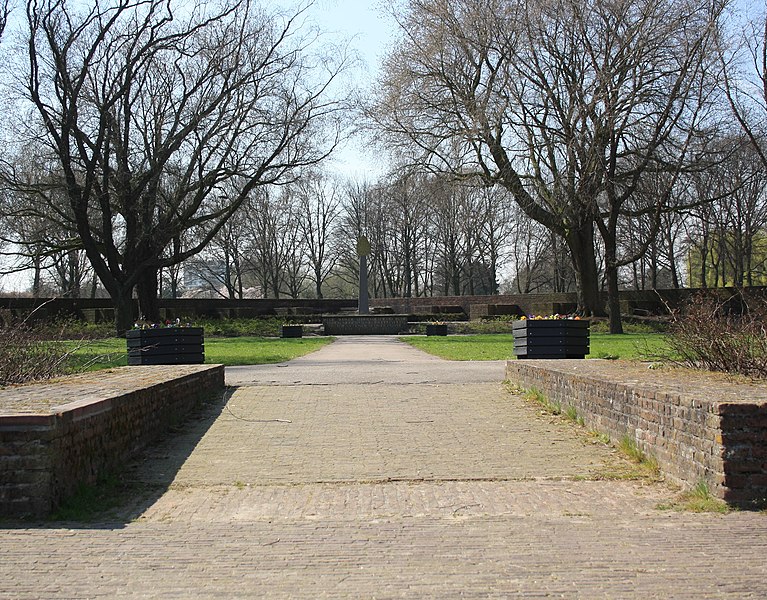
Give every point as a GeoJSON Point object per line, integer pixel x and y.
{"type": "Point", "coordinates": [204, 274]}
{"type": "Point", "coordinates": [205, 279]}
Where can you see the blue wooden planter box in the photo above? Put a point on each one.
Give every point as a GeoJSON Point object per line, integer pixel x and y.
{"type": "Point", "coordinates": [166, 346]}
{"type": "Point", "coordinates": [292, 331]}
{"type": "Point", "coordinates": [551, 338]}
{"type": "Point", "coordinates": [436, 329]}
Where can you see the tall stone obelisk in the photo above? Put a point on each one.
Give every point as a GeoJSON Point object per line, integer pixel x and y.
{"type": "Point", "coordinates": [363, 250]}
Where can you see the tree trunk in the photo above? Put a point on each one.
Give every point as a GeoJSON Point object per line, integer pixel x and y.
{"type": "Point", "coordinates": [455, 277]}
{"type": "Point", "coordinates": [318, 283]}
{"type": "Point", "coordinates": [36, 282]}
{"type": "Point", "coordinates": [613, 298]}
{"type": "Point", "coordinates": [75, 276]}
{"type": "Point", "coordinates": [124, 311]}
{"type": "Point", "coordinates": [653, 253]}
{"type": "Point", "coordinates": [611, 273]}
{"type": "Point", "coordinates": [122, 301]}
{"type": "Point", "coordinates": [703, 268]}
{"type": "Point", "coordinates": [173, 280]}
{"type": "Point", "coordinates": [583, 255]}
{"type": "Point", "coordinates": [238, 274]}
{"type": "Point", "coordinates": [148, 303]}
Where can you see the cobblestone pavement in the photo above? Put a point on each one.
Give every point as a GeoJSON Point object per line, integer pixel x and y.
{"type": "Point", "coordinates": [371, 470]}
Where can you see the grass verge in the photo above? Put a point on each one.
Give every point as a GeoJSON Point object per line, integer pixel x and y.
{"type": "Point", "coordinates": [643, 461]}
{"type": "Point", "coordinates": [90, 501]}
{"type": "Point", "coordinates": [627, 346]}
{"type": "Point", "coordinates": [629, 462]}
{"type": "Point", "coordinates": [698, 499]}
{"type": "Point", "coordinates": [535, 395]}
{"type": "Point", "coordinates": [92, 355]}
{"type": "Point", "coordinates": [635, 464]}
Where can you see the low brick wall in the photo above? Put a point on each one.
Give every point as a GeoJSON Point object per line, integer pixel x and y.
{"type": "Point", "coordinates": [55, 436]}
{"type": "Point", "coordinates": [698, 426]}
{"type": "Point", "coordinates": [101, 309]}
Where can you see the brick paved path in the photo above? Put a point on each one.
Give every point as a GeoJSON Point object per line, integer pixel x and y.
{"type": "Point", "coordinates": [371, 470]}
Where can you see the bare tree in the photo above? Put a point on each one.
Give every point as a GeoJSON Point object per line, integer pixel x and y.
{"type": "Point", "coordinates": [171, 281]}
{"type": "Point", "coordinates": [658, 264]}
{"type": "Point", "coordinates": [466, 236]}
{"type": "Point", "coordinates": [404, 208]}
{"type": "Point", "coordinates": [37, 227]}
{"type": "Point", "coordinates": [151, 107]}
{"type": "Point", "coordinates": [496, 230]}
{"type": "Point", "coordinates": [537, 258]}
{"type": "Point", "coordinates": [222, 265]}
{"type": "Point", "coordinates": [319, 200]}
{"type": "Point", "coordinates": [429, 234]}
{"type": "Point", "coordinates": [352, 224]}
{"type": "Point", "coordinates": [275, 250]}
{"type": "Point", "coordinates": [726, 234]}
{"type": "Point", "coordinates": [5, 12]}
{"type": "Point", "coordinates": [69, 273]}
{"type": "Point", "coordinates": [563, 102]}
{"type": "Point", "coordinates": [445, 208]}
{"type": "Point", "coordinates": [745, 78]}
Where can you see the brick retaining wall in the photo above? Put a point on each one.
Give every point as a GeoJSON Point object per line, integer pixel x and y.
{"type": "Point", "coordinates": [478, 306]}
{"type": "Point", "coordinates": [100, 310]}
{"type": "Point", "coordinates": [55, 436]}
{"type": "Point", "coordinates": [698, 426]}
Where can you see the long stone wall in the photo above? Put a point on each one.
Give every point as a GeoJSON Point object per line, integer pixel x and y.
{"type": "Point", "coordinates": [700, 427]}
{"type": "Point", "coordinates": [100, 310]}
{"type": "Point", "coordinates": [56, 436]}
{"type": "Point", "coordinates": [633, 302]}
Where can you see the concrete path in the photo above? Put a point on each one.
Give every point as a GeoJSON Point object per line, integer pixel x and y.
{"type": "Point", "coordinates": [371, 470]}
{"type": "Point", "coordinates": [368, 360]}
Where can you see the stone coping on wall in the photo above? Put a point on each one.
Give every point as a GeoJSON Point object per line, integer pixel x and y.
{"type": "Point", "coordinates": [61, 394]}
{"type": "Point", "coordinates": [700, 426]}
{"type": "Point", "coordinates": [695, 385]}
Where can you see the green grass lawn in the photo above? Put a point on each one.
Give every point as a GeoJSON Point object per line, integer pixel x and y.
{"type": "Point", "coordinates": [627, 346]}
{"type": "Point", "coordinates": [111, 352]}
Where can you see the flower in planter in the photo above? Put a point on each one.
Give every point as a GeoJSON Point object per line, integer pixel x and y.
{"type": "Point", "coordinates": [551, 336]}
{"type": "Point", "coordinates": [554, 317]}
{"type": "Point", "coordinates": [143, 324]}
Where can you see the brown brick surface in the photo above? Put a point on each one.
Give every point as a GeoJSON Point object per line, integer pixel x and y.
{"type": "Point", "coordinates": [392, 489]}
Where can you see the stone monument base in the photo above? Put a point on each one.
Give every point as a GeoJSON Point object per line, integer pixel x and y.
{"type": "Point", "coordinates": [365, 324]}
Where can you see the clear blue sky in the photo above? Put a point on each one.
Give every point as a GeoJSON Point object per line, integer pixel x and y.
{"type": "Point", "coordinates": [364, 22]}
{"type": "Point", "coordinates": [369, 30]}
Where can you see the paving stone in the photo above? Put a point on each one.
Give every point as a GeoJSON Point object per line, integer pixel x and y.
{"type": "Point", "coordinates": [370, 470]}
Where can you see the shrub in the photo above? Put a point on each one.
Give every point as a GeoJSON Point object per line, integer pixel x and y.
{"type": "Point", "coordinates": [236, 327]}
{"type": "Point", "coordinates": [630, 325]}
{"type": "Point", "coordinates": [73, 329]}
{"type": "Point", "coordinates": [727, 335]}
{"type": "Point", "coordinates": [29, 354]}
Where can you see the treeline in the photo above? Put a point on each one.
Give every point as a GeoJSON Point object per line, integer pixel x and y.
{"type": "Point", "coordinates": [565, 145]}
{"type": "Point", "coordinates": [433, 235]}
